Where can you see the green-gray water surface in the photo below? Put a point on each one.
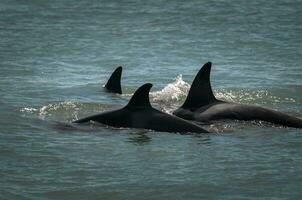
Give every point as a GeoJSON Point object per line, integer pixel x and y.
{"type": "Point", "coordinates": [56, 55]}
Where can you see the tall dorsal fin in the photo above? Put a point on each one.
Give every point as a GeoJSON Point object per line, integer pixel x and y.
{"type": "Point", "coordinates": [114, 83]}
{"type": "Point", "coordinates": [140, 97]}
{"type": "Point", "coordinates": [200, 93]}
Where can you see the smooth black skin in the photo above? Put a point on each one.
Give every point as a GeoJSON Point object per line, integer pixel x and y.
{"type": "Point", "coordinates": [139, 113]}
{"type": "Point", "coordinates": [202, 106]}
{"type": "Point", "coordinates": [113, 85]}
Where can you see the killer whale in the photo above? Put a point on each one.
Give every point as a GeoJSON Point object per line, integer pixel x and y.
{"type": "Point", "coordinates": [113, 84]}
{"type": "Point", "coordinates": [139, 113]}
{"type": "Point", "coordinates": [202, 106]}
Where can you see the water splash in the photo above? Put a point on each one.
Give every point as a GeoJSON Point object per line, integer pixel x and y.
{"type": "Point", "coordinates": [167, 99]}
{"type": "Point", "coordinates": [171, 96]}
{"type": "Point", "coordinates": [174, 94]}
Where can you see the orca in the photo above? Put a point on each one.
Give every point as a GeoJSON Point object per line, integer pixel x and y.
{"type": "Point", "coordinates": [139, 113]}
{"type": "Point", "coordinates": [113, 84]}
{"type": "Point", "coordinates": [202, 106]}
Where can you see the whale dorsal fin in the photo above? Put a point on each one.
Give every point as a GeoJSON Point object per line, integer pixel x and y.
{"type": "Point", "coordinates": [114, 83]}
{"type": "Point", "coordinates": [200, 93]}
{"type": "Point", "coordinates": [140, 98]}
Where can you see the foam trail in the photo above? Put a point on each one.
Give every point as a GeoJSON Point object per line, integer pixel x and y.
{"type": "Point", "coordinates": [54, 109]}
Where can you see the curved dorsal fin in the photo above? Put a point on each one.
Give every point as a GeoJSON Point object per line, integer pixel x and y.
{"type": "Point", "coordinates": [140, 97]}
{"type": "Point", "coordinates": [200, 93]}
{"type": "Point", "coordinates": [114, 83]}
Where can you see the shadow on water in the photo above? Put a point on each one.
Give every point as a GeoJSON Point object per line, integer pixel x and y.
{"type": "Point", "coordinates": [63, 127]}
{"type": "Point", "coordinates": [140, 138]}
{"type": "Point", "coordinates": [70, 128]}
{"type": "Point", "coordinates": [144, 137]}
{"type": "Point", "coordinates": [203, 139]}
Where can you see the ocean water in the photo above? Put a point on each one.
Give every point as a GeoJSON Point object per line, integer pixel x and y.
{"type": "Point", "coordinates": [56, 55]}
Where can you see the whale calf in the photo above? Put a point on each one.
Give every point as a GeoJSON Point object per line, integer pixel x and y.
{"type": "Point", "coordinates": [113, 84]}
{"type": "Point", "coordinates": [202, 106]}
{"type": "Point", "coordinates": [139, 113]}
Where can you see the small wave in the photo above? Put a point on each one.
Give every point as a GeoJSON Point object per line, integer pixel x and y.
{"type": "Point", "coordinates": [56, 110]}
{"type": "Point", "coordinates": [66, 110]}
{"type": "Point", "coordinates": [61, 107]}
{"type": "Point", "coordinates": [251, 97]}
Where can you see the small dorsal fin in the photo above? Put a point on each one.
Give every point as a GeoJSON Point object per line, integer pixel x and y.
{"type": "Point", "coordinates": [114, 83]}
{"type": "Point", "coordinates": [200, 93]}
{"type": "Point", "coordinates": [140, 97]}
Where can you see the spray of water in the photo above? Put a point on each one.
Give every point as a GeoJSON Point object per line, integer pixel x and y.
{"type": "Point", "coordinates": [167, 99]}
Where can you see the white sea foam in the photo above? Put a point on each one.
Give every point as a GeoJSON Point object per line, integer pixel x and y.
{"type": "Point", "coordinates": [251, 97]}
{"type": "Point", "coordinates": [66, 110]}
{"type": "Point", "coordinates": [29, 110]}
{"type": "Point", "coordinates": [54, 109]}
